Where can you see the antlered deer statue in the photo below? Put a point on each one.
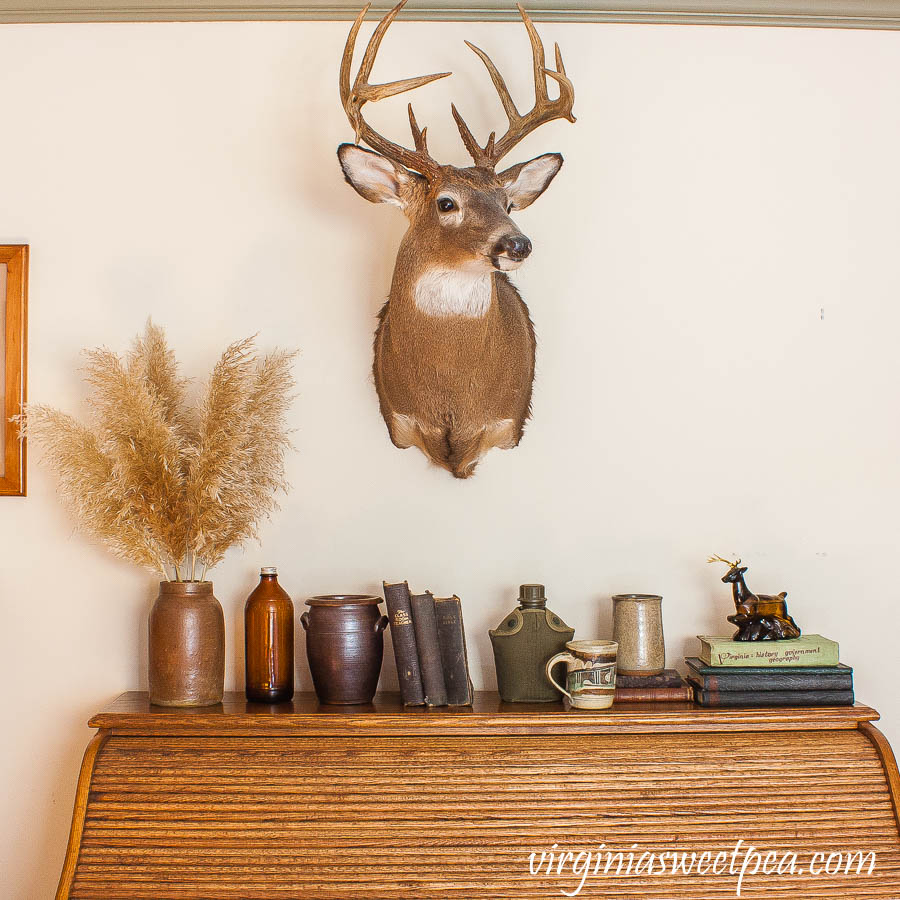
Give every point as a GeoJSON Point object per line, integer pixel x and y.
{"type": "Point", "coordinates": [454, 348]}
{"type": "Point", "coordinates": [759, 617]}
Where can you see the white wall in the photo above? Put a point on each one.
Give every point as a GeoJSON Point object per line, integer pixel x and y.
{"type": "Point", "coordinates": [714, 287]}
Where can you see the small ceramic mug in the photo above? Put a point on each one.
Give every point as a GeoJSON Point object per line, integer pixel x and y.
{"type": "Point", "coordinates": [590, 673]}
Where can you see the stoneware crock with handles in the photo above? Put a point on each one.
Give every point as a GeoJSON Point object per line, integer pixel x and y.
{"type": "Point", "coordinates": [344, 646]}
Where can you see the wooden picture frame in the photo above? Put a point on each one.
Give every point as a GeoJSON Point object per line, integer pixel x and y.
{"type": "Point", "coordinates": [13, 358]}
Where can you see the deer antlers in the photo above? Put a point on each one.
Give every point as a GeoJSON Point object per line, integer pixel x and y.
{"type": "Point", "coordinates": [361, 92]}
{"type": "Point", "coordinates": [545, 110]}
{"type": "Point", "coordinates": [728, 562]}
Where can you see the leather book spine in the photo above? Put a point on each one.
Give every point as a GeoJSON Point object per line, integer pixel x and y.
{"type": "Point", "coordinates": [454, 660]}
{"type": "Point", "coordinates": [655, 695]}
{"type": "Point", "coordinates": [835, 678]}
{"type": "Point", "coordinates": [429, 649]}
{"type": "Point", "coordinates": [773, 698]}
{"type": "Point", "coordinates": [666, 679]}
{"type": "Point", "coordinates": [403, 637]}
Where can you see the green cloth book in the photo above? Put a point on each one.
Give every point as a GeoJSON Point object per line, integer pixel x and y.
{"type": "Point", "coordinates": [806, 650]}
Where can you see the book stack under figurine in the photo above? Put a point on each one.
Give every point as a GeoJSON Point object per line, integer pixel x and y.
{"type": "Point", "coordinates": [804, 671]}
{"type": "Point", "coordinates": [429, 647]}
{"type": "Point", "coordinates": [665, 687]}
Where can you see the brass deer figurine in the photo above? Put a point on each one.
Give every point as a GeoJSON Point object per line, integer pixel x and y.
{"type": "Point", "coordinates": [454, 347]}
{"type": "Point", "coordinates": [759, 617]}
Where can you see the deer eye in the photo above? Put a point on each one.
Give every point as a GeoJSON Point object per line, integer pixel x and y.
{"type": "Point", "coordinates": [446, 204]}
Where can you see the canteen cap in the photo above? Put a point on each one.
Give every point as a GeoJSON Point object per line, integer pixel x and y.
{"type": "Point", "coordinates": [531, 596]}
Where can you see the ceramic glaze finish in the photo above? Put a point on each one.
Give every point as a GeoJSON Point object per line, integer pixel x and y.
{"type": "Point", "coordinates": [186, 645]}
{"type": "Point", "coordinates": [638, 630]}
{"type": "Point", "coordinates": [344, 646]}
{"type": "Point", "coordinates": [590, 673]}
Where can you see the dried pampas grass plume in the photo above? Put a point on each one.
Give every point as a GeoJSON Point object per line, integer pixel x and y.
{"type": "Point", "coordinates": [166, 486]}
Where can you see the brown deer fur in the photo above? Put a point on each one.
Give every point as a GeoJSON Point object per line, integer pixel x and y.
{"type": "Point", "coordinates": [455, 346]}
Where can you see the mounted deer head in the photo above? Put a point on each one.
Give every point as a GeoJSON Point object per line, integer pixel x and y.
{"type": "Point", "coordinates": [454, 348]}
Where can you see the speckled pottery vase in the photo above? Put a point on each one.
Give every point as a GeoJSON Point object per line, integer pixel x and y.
{"type": "Point", "coordinates": [638, 630]}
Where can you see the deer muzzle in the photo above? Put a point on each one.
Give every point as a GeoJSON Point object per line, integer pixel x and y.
{"type": "Point", "coordinates": [515, 246]}
{"type": "Point", "coordinates": [511, 251]}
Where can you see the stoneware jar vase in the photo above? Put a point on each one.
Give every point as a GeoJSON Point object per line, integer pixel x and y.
{"type": "Point", "coordinates": [344, 646]}
{"type": "Point", "coordinates": [638, 630]}
{"type": "Point", "coordinates": [187, 645]}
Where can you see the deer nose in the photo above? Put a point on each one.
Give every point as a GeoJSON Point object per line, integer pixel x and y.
{"type": "Point", "coordinates": [515, 246]}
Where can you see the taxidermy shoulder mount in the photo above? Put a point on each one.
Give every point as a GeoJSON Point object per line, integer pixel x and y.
{"type": "Point", "coordinates": [454, 348]}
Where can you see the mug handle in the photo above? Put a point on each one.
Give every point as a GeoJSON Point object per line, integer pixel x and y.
{"type": "Point", "coordinates": [304, 621]}
{"type": "Point", "coordinates": [559, 657]}
{"type": "Point", "coordinates": [381, 624]}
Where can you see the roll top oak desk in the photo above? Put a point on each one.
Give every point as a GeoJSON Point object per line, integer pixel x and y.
{"type": "Point", "coordinates": [498, 800]}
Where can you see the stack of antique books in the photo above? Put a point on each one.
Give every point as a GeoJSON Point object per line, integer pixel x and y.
{"type": "Point", "coordinates": [429, 647]}
{"type": "Point", "coordinates": [805, 671]}
{"type": "Point", "coordinates": [667, 686]}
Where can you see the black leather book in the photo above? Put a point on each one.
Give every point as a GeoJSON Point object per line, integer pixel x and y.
{"type": "Point", "coordinates": [773, 698]}
{"type": "Point", "coordinates": [430, 665]}
{"type": "Point", "coordinates": [749, 678]}
{"type": "Point", "coordinates": [452, 640]}
{"type": "Point", "coordinates": [668, 678]}
{"type": "Point", "coordinates": [403, 637]}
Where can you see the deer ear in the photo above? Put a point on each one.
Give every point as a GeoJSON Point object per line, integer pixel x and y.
{"type": "Point", "coordinates": [375, 177]}
{"type": "Point", "coordinates": [526, 182]}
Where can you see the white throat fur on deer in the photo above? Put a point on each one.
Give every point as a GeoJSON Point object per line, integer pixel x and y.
{"type": "Point", "coordinates": [450, 295]}
{"type": "Point", "coordinates": [444, 292]}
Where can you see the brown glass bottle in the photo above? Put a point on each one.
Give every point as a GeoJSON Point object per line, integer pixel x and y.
{"type": "Point", "coordinates": [269, 641]}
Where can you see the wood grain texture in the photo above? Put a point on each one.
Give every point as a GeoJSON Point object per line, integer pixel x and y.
{"type": "Point", "coordinates": [337, 812]}
{"type": "Point", "coordinates": [81, 801]}
{"type": "Point", "coordinates": [888, 762]}
{"type": "Point", "coordinates": [487, 716]}
{"type": "Point", "coordinates": [15, 362]}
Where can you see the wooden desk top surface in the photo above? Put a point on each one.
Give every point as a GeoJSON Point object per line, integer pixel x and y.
{"type": "Point", "coordinates": [132, 712]}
